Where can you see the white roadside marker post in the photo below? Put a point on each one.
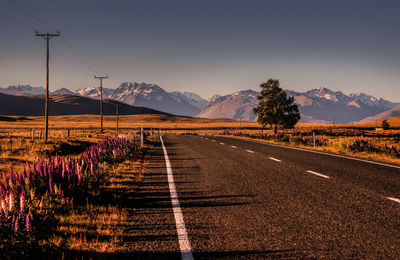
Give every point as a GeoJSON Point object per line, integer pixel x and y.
{"type": "Point", "coordinates": [141, 136]}
{"type": "Point", "coordinates": [313, 136]}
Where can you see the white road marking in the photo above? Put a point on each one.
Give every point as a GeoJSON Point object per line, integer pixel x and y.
{"type": "Point", "coordinates": [329, 154]}
{"type": "Point", "coordinates": [250, 151]}
{"type": "Point", "coordinates": [394, 199]}
{"type": "Point", "coordinates": [207, 138]}
{"type": "Point", "coordinates": [319, 174]}
{"type": "Point", "coordinates": [274, 159]}
{"type": "Point", "coordinates": [233, 146]}
{"type": "Point", "coordinates": [213, 141]}
{"type": "Point", "coordinates": [222, 143]}
{"type": "Point", "coordinates": [184, 242]}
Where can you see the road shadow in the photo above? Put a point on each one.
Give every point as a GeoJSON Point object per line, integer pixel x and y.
{"type": "Point", "coordinates": [149, 229]}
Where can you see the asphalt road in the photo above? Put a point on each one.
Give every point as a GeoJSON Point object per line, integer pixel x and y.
{"type": "Point", "coordinates": [242, 199]}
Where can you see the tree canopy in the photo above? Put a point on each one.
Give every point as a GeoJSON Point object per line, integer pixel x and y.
{"type": "Point", "coordinates": [275, 108]}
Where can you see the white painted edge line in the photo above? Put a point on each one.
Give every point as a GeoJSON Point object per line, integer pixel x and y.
{"type": "Point", "coordinates": [250, 151]}
{"type": "Point", "coordinates": [319, 174]}
{"type": "Point", "coordinates": [184, 243]}
{"type": "Point", "coordinates": [274, 159]}
{"type": "Point", "coordinates": [222, 143]}
{"type": "Point", "coordinates": [233, 146]}
{"type": "Point", "coordinates": [329, 154]}
{"type": "Point", "coordinates": [394, 199]}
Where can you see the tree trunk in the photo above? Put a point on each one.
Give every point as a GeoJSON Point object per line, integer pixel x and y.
{"type": "Point", "coordinates": [276, 128]}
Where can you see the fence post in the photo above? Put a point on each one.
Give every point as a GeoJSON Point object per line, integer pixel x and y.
{"type": "Point", "coordinates": [141, 136]}
{"type": "Point", "coordinates": [33, 134]}
{"type": "Point", "coordinates": [313, 136]}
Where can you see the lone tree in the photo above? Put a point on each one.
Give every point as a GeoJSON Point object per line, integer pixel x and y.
{"type": "Point", "coordinates": [385, 124]}
{"type": "Point", "coordinates": [275, 108]}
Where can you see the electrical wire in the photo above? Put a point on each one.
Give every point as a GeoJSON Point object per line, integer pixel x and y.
{"type": "Point", "coordinates": [70, 62]}
{"type": "Point", "coordinates": [79, 56]}
{"type": "Point", "coordinates": [32, 16]}
{"type": "Point", "coordinates": [51, 27]}
{"type": "Point", "coordinates": [18, 21]}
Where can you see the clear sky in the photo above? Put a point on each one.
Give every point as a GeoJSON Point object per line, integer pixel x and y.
{"type": "Point", "coordinates": [207, 47]}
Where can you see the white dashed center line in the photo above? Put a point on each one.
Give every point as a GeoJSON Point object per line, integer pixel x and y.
{"type": "Point", "coordinates": [274, 159]}
{"type": "Point", "coordinates": [213, 141]}
{"type": "Point", "coordinates": [222, 143]}
{"type": "Point", "coordinates": [250, 151]}
{"type": "Point", "coordinates": [394, 199]}
{"type": "Point", "coordinates": [233, 146]}
{"type": "Point", "coordinates": [319, 174]}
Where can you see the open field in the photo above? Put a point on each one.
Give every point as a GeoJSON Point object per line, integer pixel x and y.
{"type": "Point", "coordinates": [100, 226]}
{"type": "Point", "coordinates": [72, 131]}
{"type": "Point", "coordinates": [130, 121]}
{"type": "Point", "coordinates": [158, 121]}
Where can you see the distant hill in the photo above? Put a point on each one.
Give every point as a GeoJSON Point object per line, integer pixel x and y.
{"type": "Point", "coordinates": [64, 105]}
{"type": "Point", "coordinates": [151, 96]}
{"type": "Point", "coordinates": [394, 112]}
{"type": "Point", "coordinates": [235, 106]}
{"type": "Point", "coordinates": [316, 105]}
{"type": "Point", "coordinates": [23, 90]}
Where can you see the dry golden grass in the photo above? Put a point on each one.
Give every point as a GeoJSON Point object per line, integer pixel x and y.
{"type": "Point", "coordinates": [103, 224]}
{"type": "Point", "coordinates": [129, 121]}
{"type": "Point", "coordinates": [59, 125]}
{"type": "Point", "coordinates": [337, 145]}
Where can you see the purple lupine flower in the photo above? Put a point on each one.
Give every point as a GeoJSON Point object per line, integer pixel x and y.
{"type": "Point", "coordinates": [28, 223]}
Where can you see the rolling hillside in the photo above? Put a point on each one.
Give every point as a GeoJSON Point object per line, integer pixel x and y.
{"type": "Point", "coordinates": [64, 105]}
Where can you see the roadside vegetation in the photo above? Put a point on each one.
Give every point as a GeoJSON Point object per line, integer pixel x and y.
{"type": "Point", "coordinates": [375, 146]}
{"type": "Point", "coordinates": [48, 190]}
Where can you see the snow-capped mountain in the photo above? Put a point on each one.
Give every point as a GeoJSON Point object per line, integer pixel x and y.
{"type": "Point", "coordinates": [325, 105]}
{"type": "Point", "coordinates": [237, 106]}
{"type": "Point", "coordinates": [190, 97]}
{"type": "Point", "coordinates": [94, 92]}
{"type": "Point", "coordinates": [151, 96]}
{"type": "Point", "coordinates": [316, 106]}
{"type": "Point", "coordinates": [23, 89]}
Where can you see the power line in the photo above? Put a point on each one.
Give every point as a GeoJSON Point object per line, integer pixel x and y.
{"type": "Point", "coordinates": [70, 62]}
{"type": "Point", "coordinates": [53, 28]}
{"type": "Point", "coordinates": [79, 56]}
{"type": "Point", "coordinates": [32, 16]}
{"type": "Point", "coordinates": [18, 21]}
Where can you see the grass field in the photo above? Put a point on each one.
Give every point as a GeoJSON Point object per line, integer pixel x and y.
{"type": "Point", "coordinates": [157, 121]}
{"type": "Point", "coordinates": [100, 225]}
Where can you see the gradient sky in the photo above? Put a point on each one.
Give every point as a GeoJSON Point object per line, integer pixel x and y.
{"type": "Point", "coordinates": [207, 47]}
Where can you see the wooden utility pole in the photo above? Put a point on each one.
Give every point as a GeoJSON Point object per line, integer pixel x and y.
{"type": "Point", "coordinates": [116, 111]}
{"type": "Point", "coordinates": [101, 99]}
{"type": "Point", "coordinates": [47, 37]}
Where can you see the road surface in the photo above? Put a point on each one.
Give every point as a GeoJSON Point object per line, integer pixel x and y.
{"type": "Point", "coordinates": [243, 199]}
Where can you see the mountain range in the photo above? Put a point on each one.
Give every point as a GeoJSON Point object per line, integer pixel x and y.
{"type": "Point", "coordinates": [33, 105]}
{"type": "Point", "coordinates": [316, 105]}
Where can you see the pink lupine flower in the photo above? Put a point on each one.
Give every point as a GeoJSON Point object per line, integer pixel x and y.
{"type": "Point", "coordinates": [11, 202]}
{"type": "Point", "coordinates": [21, 201]}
